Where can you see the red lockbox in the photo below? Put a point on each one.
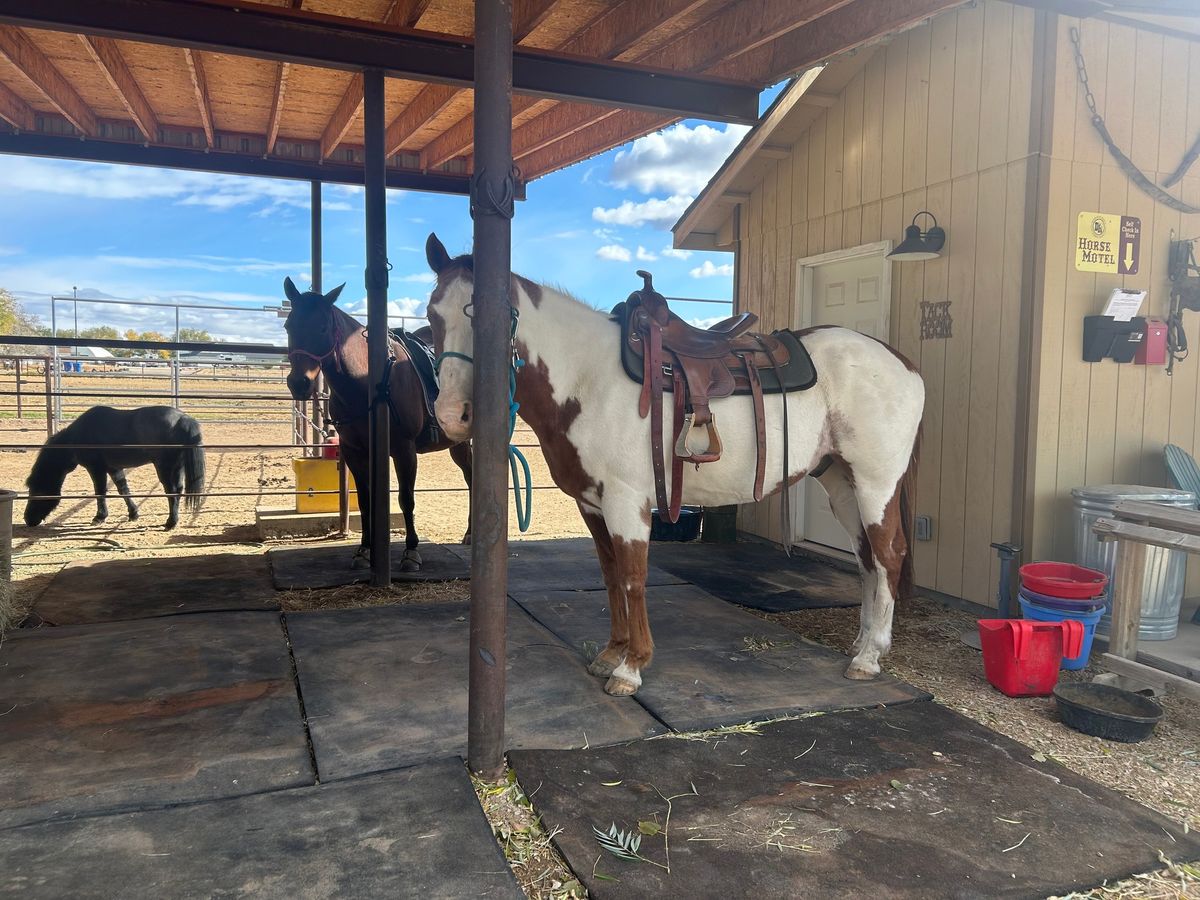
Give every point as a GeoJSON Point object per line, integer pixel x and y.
{"type": "Point", "coordinates": [1153, 349]}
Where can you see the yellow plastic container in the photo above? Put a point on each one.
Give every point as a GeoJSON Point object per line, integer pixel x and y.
{"type": "Point", "coordinates": [319, 475]}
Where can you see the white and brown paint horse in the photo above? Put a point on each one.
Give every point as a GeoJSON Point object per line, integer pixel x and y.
{"type": "Point", "coordinates": [863, 416]}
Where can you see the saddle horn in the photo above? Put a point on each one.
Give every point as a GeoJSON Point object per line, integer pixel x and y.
{"type": "Point", "coordinates": [648, 279]}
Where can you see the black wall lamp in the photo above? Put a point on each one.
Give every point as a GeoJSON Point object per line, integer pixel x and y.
{"type": "Point", "coordinates": [920, 245]}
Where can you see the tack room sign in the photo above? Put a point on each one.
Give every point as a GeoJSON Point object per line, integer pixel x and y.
{"type": "Point", "coordinates": [1105, 243]}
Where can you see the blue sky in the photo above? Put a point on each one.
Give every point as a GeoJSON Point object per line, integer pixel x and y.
{"type": "Point", "coordinates": [135, 233]}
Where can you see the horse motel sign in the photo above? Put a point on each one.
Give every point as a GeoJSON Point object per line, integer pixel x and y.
{"type": "Point", "coordinates": [1106, 243]}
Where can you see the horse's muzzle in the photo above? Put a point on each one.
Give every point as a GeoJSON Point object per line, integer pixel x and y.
{"type": "Point", "coordinates": [454, 416]}
{"type": "Point", "coordinates": [301, 387]}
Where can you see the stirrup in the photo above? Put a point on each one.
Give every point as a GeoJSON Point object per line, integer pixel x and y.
{"type": "Point", "coordinates": [684, 452]}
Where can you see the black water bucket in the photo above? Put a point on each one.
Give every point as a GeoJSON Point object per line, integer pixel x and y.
{"type": "Point", "coordinates": [1107, 712]}
{"type": "Point", "coordinates": [686, 529]}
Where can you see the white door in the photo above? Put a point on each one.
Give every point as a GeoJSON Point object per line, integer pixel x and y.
{"type": "Point", "coordinates": [850, 288]}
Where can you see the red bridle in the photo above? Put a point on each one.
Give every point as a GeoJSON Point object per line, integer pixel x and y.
{"type": "Point", "coordinates": [336, 332]}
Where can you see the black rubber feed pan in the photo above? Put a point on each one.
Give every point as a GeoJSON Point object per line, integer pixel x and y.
{"type": "Point", "coordinates": [1107, 712]}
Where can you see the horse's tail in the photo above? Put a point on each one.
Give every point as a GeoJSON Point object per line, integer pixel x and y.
{"type": "Point", "coordinates": [193, 468]}
{"type": "Point", "coordinates": [908, 491]}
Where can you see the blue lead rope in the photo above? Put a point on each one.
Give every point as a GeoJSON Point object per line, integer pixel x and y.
{"type": "Point", "coordinates": [524, 506]}
{"type": "Point", "coordinates": [524, 510]}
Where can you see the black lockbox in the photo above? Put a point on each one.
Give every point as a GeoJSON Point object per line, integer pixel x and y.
{"type": "Point", "coordinates": [1106, 338]}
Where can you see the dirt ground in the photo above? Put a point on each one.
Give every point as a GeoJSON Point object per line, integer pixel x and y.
{"type": "Point", "coordinates": [1163, 772]}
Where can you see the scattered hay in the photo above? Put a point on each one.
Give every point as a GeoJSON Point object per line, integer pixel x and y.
{"type": "Point", "coordinates": [536, 864]}
{"type": "Point", "coordinates": [354, 596]}
{"type": "Point", "coordinates": [1162, 772]}
{"type": "Point", "coordinates": [10, 614]}
{"type": "Point", "coordinates": [1177, 881]}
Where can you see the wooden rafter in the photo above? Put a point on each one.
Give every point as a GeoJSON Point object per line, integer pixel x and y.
{"type": "Point", "coordinates": [402, 13]}
{"type": "Point", "coordinates": [281, 80]}
{"type": "Point", "coordinates": [590, 141]}
{"type": "Point", "coordinates": [433, 98]}
{"type": "Point", "coordinates": [343, 117]}
{"type": "Point", "coordinates": [111, 61]}
{"type": "Point", "coordinates": [33, 64]}
{"type": "Point", "coordinates": [200, 88]}
{"type": "Point", "coordinates": [14, 110]}
{"type": "Point", "coordinates": [614, 32]}
{"type": "Point", "coordinates": [738, 29]}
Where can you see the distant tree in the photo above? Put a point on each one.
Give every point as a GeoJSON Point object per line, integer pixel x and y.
{"type": "Point", "coordinates": [16, 319]}
{"type": "Point", "coordinates": [101, 332]}
{"type": "Point", "coordinates": [194, 334]}
{"type": "Point", "coordinates": [155, 336]}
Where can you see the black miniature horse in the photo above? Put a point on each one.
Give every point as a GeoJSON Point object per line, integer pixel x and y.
{"type": "Point", "coordinates": [322, 338]}
{"type": "Point", "coordinates": [180, 467]}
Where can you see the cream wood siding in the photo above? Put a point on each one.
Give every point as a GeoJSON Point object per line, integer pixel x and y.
{"type": "Point", "coordinates": [1099, 422]}
{"type": "Point", "coordinates": [938, 119]}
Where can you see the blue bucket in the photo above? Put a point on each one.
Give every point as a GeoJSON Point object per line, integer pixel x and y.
{"type": "Point", "coordinates": [1037, 613]}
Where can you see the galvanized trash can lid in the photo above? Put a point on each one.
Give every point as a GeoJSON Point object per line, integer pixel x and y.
{"type": "Point", "coordinates": [1114, 493]}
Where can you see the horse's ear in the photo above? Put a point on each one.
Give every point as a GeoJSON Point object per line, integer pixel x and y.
{"type": "Point", "coordinates": [332, 297]}
{"type": "Point", "coordinates": [289, 290]}
{"type": "Point", "coordinates": [435, 254]}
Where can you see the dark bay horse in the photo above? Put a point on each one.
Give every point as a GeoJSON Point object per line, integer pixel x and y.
{"type": "Point", "coordinates": [323, 338]}
{"type": "Point", "coordinates": [180, 467]}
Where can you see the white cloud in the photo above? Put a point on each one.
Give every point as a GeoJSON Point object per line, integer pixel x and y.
{"type": "Point", "coordinates": [654, 212]}
{"type": "Point", "coordinates": [411, 307]}
{"type": "Point", "coordinates": [674, 253]}
{"type": "Point", "coordinates": [645, 255]}
{"type": "Point", "coordinates": [614, 252]}
{"type": "Point", "coordinates": [247, 266]}
{"type": "Point", "coordinates": [10, 251]}
{"type": "Point", "coordinates": [708, 270]}
{"type": "Point", "coordinates": [679, 160]}
{"type": "Point", "coordinates": [418, 278]}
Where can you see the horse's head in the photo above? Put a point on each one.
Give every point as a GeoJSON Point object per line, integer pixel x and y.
{"type": "Point", "coordinates": [453, 337]}
{"type": "Point", "coordinates": [313, 336]}
{"type": "Point", "coordinates": [45, 480]}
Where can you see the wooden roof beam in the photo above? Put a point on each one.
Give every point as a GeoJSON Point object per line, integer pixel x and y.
{"type": "Point", "coordinates": [269, 32]}
{"type": "Point", "coordinates": [16, 47]}
{"type": "Point", "coordinates": [109, 58]}
{"type": "Point", "coordinates": [433, 98]}
{"type": "Point", "coordinates": [162, 156]}
{"type": "Point", "coordinates": [614, 32]}
{"type": "Point", "coordinates": [200, 90]}
{"type": "Point", "coordinates": [590, 141]}
{"type": "Point", "coordinates": [14, 110]}
{"type": "Point", "coordinates": [281, 80]}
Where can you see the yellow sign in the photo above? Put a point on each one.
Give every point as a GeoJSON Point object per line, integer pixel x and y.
{"type": "Point", "coordinates": [1107, 243]}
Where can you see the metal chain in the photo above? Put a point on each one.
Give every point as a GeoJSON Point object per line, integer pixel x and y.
{"type": "Point", "coordinates": [1081, 67]}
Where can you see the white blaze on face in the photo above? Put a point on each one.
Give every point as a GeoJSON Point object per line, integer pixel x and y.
{"type": "Point", "coordinates": [455, 373]}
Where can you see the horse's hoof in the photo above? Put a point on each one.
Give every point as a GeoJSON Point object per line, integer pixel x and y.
{"type": "Point", "coordinates": [601, 667]}
{"type": "Point", "coordinates": [99, 520]}
{"type": "Point", "coordinates": [362, 560]}
{"type": "Point", "coordinates": [467, 539]}
{"type": "Point", "coordinates": [170, 526]}
{"type": "Point", "coordinates": [620, 687]}
{"type": "Point", "coordinates": [855, 672]}
{"type": "Point", "coordinates": [133, 515]}
{"type": "Point", "coordinates": [410, 561]}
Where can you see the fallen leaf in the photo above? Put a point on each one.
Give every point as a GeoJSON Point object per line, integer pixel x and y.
{"type": "Point", "coordinates": [897, 785]}
{"type": "Point", "coordinates": [1039, 757]}
{"type": "Point", "coordinates": [650, 829]}
{"type": "Point", "coordinates": [611, 783]}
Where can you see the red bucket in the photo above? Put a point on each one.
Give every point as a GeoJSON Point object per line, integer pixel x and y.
{"type": "Point", "coordinates": [1063, 580]}
{"type": "Point", "coordinates": [1021, 657]}
{"type": "Point", "coordinates": [332, 448]}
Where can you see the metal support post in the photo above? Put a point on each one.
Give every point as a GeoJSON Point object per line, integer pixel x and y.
{"type": "Point", "coordinates": [56, 386]}
{"type": "Point", "coordinates": [175, 363]}
{"type": "Point", "coordinates": [492, 209]}
{"type": "Point", "coordinates": [17, 367]}
{"type": "Point", "coordinates": [375, 165]}
{"type": "Point", "coordinates": [316, 263]}
{"type": "Point", "coordinates": [343, 496]}
{"type": "Point", "coordinates": [50, 362]}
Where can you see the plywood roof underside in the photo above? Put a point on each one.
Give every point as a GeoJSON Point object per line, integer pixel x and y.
{"type": "Point", "coordinates": [153, 94]}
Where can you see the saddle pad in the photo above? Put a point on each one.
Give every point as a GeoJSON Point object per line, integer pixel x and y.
{"type": "Point", "coordinates": [422, 358]}
{"type": "Point", "coordinates": [798, 375]}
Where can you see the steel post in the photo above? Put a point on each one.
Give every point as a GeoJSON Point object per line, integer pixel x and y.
{"type": "Point", "coordinates": [492, 208]}
{"type": "Point", "coordinates": [50, 361]}
{"type": "Point", "coordinates": [316, 263]}
{"type": "Point", "coordinates": [374, 165]}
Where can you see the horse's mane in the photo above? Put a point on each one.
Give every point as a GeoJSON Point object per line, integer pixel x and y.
{"type": "Point", "coordinates": [53, 462]}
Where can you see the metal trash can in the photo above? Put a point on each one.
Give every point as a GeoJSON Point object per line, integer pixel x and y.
{"type": "Point", "coordinates": [1166, 570]}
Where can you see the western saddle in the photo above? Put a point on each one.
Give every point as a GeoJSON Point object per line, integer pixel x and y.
{"type": "Point", "coordinates": [696, 365]}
